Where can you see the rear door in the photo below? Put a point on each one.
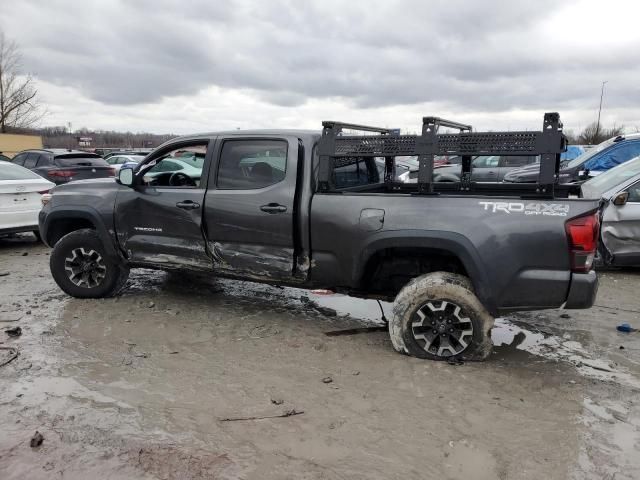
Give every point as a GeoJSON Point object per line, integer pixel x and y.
{"type": "Point", "coordinates": [249, 207]}
{"type": "Point", "coordinates": [159, 220]}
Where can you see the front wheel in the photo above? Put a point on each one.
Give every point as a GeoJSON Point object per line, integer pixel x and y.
{"type": "Point", "coordinates": [438, 317]}
{"type": "Point", "coordinates": [82, 269]}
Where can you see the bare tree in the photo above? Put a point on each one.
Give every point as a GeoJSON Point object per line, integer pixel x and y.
{"type": "Point", "coordinates": [19, 107]}
{"type": "Point", "coordinates": [592, 135]}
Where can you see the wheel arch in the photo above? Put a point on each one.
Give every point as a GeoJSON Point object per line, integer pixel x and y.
{"type": "Point", "coordinates": [432, 242]}
{"type": "Point", "coordinates": [63, 221]}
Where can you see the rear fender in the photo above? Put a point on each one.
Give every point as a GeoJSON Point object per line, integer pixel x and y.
{"type": "Point", "coordinates": [453, 243]}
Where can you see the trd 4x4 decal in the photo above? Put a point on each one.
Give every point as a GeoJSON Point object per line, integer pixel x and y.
{"type": "Point", "coordinates": [531, 208]}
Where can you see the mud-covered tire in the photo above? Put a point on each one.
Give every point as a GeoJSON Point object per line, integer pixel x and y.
{"type": "Point", "coordinates": [104, 276]}
{"type": "Point", "coordinates": [441, 304]}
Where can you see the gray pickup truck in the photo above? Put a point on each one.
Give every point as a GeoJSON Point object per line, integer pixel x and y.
{"type": "Point", "coordinates": [311, 210]}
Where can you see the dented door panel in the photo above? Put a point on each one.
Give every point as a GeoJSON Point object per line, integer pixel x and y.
{"type": "Point", "coordinates": [153, 230]}
{"type": "Point", "coordinates": [250, 231]}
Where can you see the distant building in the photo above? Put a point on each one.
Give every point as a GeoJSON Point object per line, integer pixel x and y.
{"type": "Point", "coordinates": [11, 143]}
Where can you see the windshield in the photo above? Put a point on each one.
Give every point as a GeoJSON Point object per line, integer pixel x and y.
{"type": "Point", "coordinates": [590, 153]}
{"type": "Point", "coordinates": [604, 182]}
{"type": "Point", "coordinates": [9, 171]}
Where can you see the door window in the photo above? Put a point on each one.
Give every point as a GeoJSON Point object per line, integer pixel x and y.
{"type": "Point", "coordinates": [19, 159]}
{"type": "Point", "coordinates": [43, 161]}
{"type": "Point", "coordinates": [251, 164]}
{"type": "Point", "coordinates": [634, 193]}
{"type": "Point", "coordinates": [31, 160]}
{"type": "Point", "coordinates": [169, 170]}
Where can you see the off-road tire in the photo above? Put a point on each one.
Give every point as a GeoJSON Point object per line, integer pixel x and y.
{"type": "Point", "coordinates": [112, 275]}
{"type": "Point", "coordinates": [432, 291]}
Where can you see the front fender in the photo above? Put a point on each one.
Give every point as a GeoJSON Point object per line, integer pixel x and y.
{"type": "Point", "coordinates": [450, 242]}
{"type": "Point", "coordinates": [48, 217]}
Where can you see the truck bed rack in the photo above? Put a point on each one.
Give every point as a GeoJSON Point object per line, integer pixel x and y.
{"type": "Point", "coordinates": [335, 148]}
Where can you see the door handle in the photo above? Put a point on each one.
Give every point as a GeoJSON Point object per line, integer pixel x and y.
{"type": "Point", "coordinates": [188, 205]}
{"type": "Point", "coordinates": [273, 208]}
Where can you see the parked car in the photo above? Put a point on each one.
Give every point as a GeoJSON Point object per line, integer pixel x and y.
{"type": "Point", "coordinates": [20, 198]}
{"type": "Point", "coordinates": [117, 161]}
{"type": "Point", "coordinates": [269, 209]}
{"type": "Point", "coordinates": [619, 188]}
{"type": "Point", "coordinates": [592, 162]}
{"type": "Point", "coordinates": [403, 166]}
{"type": "Point", "coordinates": [62, 166]}
{"type": "Point", "coordinates": [112, 153]}
{"type": "Point", "coordinates": [490, 168]}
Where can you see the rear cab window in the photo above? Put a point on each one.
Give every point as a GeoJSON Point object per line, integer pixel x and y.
{"type": "Point", "coordinates": [355, 172]}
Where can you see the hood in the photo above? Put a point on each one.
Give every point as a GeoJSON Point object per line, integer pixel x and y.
{"type": "Point", "coordinates": [91, 192]}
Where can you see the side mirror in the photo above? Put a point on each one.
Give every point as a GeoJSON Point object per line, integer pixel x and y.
{"type": "Point", "coordinates": [125, 176]}
{"type": "Point", "coordinates": [621, 199]}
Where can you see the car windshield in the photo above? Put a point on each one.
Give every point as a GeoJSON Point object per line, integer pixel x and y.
{"type": "Point", "coordinates": [9, 171]}
{"type": "Point", "coordinates": [604, 182]}
{"type": "Point", "coordinates": [590, 153]}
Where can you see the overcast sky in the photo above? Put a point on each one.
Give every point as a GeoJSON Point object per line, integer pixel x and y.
{"type": "Point", "coordinates": [160, 66]}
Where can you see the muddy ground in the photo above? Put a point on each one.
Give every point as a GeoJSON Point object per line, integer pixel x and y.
{"type": "Point", "coordinates": [140, 386]}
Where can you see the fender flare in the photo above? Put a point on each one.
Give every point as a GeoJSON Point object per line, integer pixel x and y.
{"type": "Point", "coordinates": [453, 243]}
{"type": "Point", "coordinates": [80, 212]}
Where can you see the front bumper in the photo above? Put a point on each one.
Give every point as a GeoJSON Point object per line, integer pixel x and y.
{"type": "Point", "coordinates": [582, 290]}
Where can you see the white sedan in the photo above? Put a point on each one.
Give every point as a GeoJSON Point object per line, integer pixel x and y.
{"type": "Point", "coordinates": [21, 191]}
{"type": "Point", "coordinates": [116, 161]}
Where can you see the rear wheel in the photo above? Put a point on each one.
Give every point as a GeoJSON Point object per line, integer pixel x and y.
{"type": "Point", "coordinates": [437, 316]}
{"type": "Point", "coordinates": [82, 269]}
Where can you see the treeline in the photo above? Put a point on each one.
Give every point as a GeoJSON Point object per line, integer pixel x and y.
{"type": "Point", "coordinates": [59, 137]}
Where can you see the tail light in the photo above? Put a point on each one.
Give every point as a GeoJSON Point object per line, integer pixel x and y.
{"type": "Point", "coordinates": [61, 173]}
{"type": "Point", "coordinates": [583, 234]}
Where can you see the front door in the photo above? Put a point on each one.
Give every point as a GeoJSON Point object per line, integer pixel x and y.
{"type": "Point", "coordinates": [159, 219]}
{"type": "Point", "coordinates": [249, 208]}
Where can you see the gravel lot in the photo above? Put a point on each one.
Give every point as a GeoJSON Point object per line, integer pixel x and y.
{"type": "Point", "coordinates": [144, 385]}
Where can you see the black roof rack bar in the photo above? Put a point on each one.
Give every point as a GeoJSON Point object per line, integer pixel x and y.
{"type": "Point", "coordinates": [441, 122]}
{"type": "Point", "coordinates": [352, 126]}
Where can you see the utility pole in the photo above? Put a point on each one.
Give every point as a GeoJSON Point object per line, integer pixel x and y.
{"type": "Point", "coordinates": [599, 110]}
